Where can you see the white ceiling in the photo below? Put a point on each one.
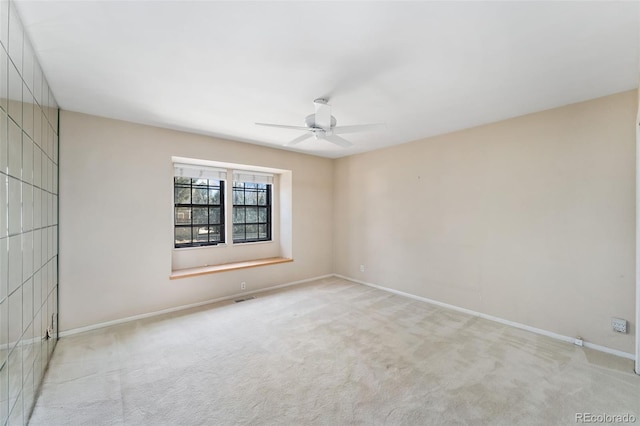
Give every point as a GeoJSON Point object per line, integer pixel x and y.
{"type": "Point", "coordinates": [423, 68]}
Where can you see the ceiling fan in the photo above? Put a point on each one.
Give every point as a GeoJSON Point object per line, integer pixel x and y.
{"type": "Point", "coordinates": [322, 125]}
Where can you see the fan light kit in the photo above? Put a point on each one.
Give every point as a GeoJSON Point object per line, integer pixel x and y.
{"type": "Point", "coordinates": [322, 125]}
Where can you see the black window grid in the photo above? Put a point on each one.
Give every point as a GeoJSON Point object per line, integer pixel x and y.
{"type": "Point", "coordinates": [251, 199]}
{"type": "Point", "coordinates": [202, 229]}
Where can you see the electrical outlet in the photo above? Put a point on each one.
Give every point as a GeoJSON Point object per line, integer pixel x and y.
{"type": "Point", "coordinates": [619, 325]}
{"type": "Point", "coordinates": [361, 268]}
{"type": "Point", "coordinates": [243, 285]}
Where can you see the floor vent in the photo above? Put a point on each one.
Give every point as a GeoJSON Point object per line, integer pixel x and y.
{"type": "Point", "coordinates": [246, 298]}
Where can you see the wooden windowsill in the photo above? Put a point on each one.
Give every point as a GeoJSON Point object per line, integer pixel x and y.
{"type": "Point", "coordinates": [203, 270]}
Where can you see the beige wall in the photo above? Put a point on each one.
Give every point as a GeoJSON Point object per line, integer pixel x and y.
{"type": "Point", "coordinates": [116, 236]}
{"type": "Point", "coordinates": [530, 219]}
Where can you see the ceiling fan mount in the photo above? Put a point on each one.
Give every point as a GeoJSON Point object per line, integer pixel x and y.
{"type": "Point", "coordinates": [322, 126]}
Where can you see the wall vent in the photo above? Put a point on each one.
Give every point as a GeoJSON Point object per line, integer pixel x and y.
{"type": "Point", "coordinates": [245, 298]}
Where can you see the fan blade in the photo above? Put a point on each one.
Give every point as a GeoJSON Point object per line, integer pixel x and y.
{"type": "Point", "coordinates": [299, 139]}
{"type": "Point", "coordinates": [338, 140]}
{"type": "Point", "coordinates": [283, 126]}
{"type": "Point", "coordinates": [323, 114]}
{"type": "Point", "coordinates": [341, 130]}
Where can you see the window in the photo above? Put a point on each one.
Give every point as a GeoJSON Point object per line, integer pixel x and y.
{"type": "Point", "coordinates": [252, 194]}
{"type": "Point", "coordinates": [251, 221]}
{"type": "Point", "coordinates": [198, 206]}
{"type": "Point", "coordinates": [251, 212]}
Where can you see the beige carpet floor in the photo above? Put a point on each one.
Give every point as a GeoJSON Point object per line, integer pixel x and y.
{"type": "Point", "coordinates": [329, 352]}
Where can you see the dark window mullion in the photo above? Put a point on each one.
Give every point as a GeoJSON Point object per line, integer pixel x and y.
{"type": "Point", "coordinates": [194, 227]}
{"type": "Point", "coordinates": [256, 192]}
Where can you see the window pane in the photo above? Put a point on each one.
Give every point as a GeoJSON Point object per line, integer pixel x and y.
{"type": "Point", "coordinates": [262, 215]}
{"type": "Point", "coordinates": [238, 197]}
{"type": "Point", "coordinates": [262, 231]}
{"type": "Point", "coordinates": [214, 196]}
{"type": "Point", "coordinates": [252, 232]}
{"type": "Point", "coordinates": [262, 198]}
{"type": "Point", "coordinates": [250, 198]}
{"type": "Point", "coordinates": [238, 232]}
{"type": "Point", "coordinates": [214, 234]}
{"type": "Point", "coordinates": [238, 215]}
{"type": "Point", "coordinates": [200, 215]}
{"type": "Point", "coordinates": [183, 235]}
{"type": "Point", "coordinates": [214, 215]}
{"type": "Point", "coordinates": [201, 234]}
{"type": "Point", "coordinates": [183, 180]}
{"type": "Point", "coordinates": [202, 182]}
{"type": "Point", "coordinates": [249, 185]}
{"type": "Point", "coordinates": [199, 196]}
{"type": "Point", "coordinates": [252, 214]}
{"type": "Point", "coordinates": [183, 215]}
{"type": "Point", "coordinates": [182, 195]}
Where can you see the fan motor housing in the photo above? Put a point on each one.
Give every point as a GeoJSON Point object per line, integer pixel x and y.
{"type": "Point", "coordinates": [310, 122]}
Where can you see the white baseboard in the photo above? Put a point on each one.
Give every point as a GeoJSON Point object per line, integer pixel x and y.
{"type": "Point", "coordinates": [390, 290]}
{"type": "Point", "coordinates": [183, 307]}
{"type": "Point", "coordinates": [495, 319]}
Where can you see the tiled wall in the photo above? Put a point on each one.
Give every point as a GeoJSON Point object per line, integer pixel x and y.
{"type": "Point", "coordinates": [28, 220]}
